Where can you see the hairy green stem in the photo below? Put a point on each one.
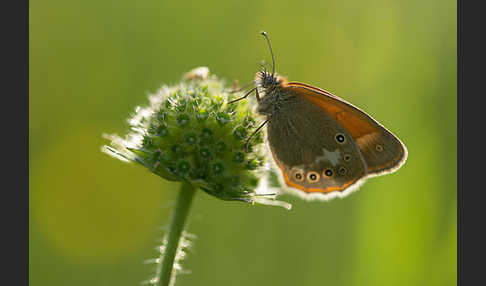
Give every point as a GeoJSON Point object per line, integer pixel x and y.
{"type": "Point", "coordinates": [176, 227]}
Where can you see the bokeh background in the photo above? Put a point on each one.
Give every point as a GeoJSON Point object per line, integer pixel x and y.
{"type": "Point", "coordinates": [94, 220]}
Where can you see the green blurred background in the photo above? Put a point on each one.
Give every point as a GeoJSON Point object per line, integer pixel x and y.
{"type": "Point", "coordinates": [94, 220]}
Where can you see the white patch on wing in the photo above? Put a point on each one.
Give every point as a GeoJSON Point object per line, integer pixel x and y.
{"type": "Point", "coordinates": [332, 157]}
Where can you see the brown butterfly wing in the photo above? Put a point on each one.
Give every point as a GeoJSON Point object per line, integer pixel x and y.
{"type": "Point", "coordinates": [303, 141]}
{"type": "Point", "coordinates": [382, 151]}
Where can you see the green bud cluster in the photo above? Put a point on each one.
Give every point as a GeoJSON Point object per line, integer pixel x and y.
{"type": "Point", "coordinates": [190, 133]}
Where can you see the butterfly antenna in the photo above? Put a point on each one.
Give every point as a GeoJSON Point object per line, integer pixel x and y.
{"type": "Point", "coordinates": [271, 52]}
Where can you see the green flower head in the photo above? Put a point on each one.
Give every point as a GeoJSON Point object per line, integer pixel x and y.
{"type": "Point", "coordinates": [190, 133]}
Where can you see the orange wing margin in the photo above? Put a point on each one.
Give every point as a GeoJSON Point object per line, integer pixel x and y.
{"type": "Point", "coordinates": [312, 190]}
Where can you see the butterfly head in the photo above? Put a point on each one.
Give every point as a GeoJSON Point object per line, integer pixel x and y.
{"type": "Point", "coordinates": [267, 81]}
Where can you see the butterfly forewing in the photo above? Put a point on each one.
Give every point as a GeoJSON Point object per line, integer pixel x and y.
{"type": "Point", "coordinates": [382, 151]}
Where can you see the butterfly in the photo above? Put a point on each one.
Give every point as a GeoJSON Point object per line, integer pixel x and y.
{"type": "Point", "coordinates": [323, 145]}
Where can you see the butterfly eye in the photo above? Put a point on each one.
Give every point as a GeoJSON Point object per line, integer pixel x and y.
{"type": "Point", "coordinates": [299, 176]}
{"type": "Point", "coordinates": [379, 148]}
{"type": "Point", "coordinates": [340, 138]}
{"type": "Point", "coordinates": [313, 177]}
{"type": "Point", "coordinates": [328, 173]}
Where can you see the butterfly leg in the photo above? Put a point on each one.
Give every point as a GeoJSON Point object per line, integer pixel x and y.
{"type": "Point", "coordinates": [257, 95]}
{"type": "Point", "coordinates": [255, 132]}
{"type": "Point", "coordinates": [244, 96]}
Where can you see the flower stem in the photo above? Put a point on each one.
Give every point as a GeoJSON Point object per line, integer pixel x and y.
{"type": "Point", "coordinates": [177, 223]}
